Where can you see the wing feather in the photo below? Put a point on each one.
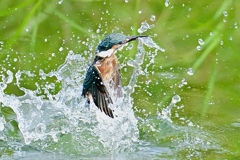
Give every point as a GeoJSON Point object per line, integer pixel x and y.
{"type": "Point", "coordinates": [94, 85]}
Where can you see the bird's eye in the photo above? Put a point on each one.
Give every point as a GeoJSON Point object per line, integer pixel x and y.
{"type": "Point", "coordinates": [122, 42]}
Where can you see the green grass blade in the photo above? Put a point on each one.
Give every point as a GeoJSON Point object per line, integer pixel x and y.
{"type": "Point", "coordinates": [72, 23]}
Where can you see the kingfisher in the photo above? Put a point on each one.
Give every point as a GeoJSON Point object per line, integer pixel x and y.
{"type": "Point", "coordinates": [103, 78]}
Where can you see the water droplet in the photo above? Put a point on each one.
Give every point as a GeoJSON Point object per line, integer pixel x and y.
{"type": "Point", "coordinates": [183, 83]}
{"type": "Point", "coordinates": [144, 27]}
{"type": "Point", "coordinates": [210, 33]}
{"type": "Point", "coordinates": [231, 38]}
{"type": "Point", "coordinates": [140, 12]}
{"type": "Point", "coordinates": [221, 42]}
{"type": "Point", "coordinates": [176, 99]}
{"type": "Point", "coordinates": [45, 40]}
{"type": "Point", "coordinates": [190, 71]}
{"type": "Point", "coordinates": [236, 25]}
{"type": "Point", "coordinates": [60, 2]}
{"type": "Point", "coordinates": [199, 48]}
{"type": "Point", "coordinates": [225, 13]}
{"type": "Point", "coordinates": [167, 3]}
{"type": "Point", "coordinates": [1, 45]}
{"type": "Point", "coordinates": [200, 41]}
{"type": "Point", "coordinates": [98, 31]}
{"type": "Point", "coordinates": [153, 17]}
{"type": "Point", "coordinates": [60, 49]}
{"type": "Point", "coordinates": [126, 1]}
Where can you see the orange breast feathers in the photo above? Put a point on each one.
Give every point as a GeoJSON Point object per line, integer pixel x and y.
{"type": "Point", "coordinates": [108, 67]}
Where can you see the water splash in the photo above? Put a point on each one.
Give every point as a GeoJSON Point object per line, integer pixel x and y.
{"type": "Point", "coordinates": [150, 43]}
{"type": "Point", "coordinates": [2, 122]}
{"type": "Point", "coordinates": [62, 119]}
{"type": "Point", "coordinates": [144, 27]}
{"type": "Point", "coordinates": [59, 122]}
{"type": "Point", "coordinates": [139, 61]}
{"type": "Point", "coordinates": [166, 113]}
{"type": "Point", "coordinates": [53, 121]}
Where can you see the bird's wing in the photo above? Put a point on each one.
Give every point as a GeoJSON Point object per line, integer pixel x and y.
{"type": "Point", "coordinates": [94, 84]}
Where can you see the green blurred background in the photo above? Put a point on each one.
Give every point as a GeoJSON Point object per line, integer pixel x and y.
{"type": "Point", "coordinates": [200, 35]}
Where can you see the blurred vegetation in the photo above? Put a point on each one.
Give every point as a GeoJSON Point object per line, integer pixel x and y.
{"type": "Point", "coordinates": [36, 35]}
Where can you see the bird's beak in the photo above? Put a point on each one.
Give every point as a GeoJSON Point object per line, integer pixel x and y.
{"type": "Point", "coordinates": [129, 39]}
{"type": "Point", "coordinates": [132, 38]}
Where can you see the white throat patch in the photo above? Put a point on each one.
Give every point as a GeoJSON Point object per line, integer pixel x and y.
{"type": "Point", "coordinates": [111, 51]}
{"type": "Point", "coordinates": [107, 53]}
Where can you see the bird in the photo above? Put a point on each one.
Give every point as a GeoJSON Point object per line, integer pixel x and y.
{"type": "Point", "coordinates": [103, 77]}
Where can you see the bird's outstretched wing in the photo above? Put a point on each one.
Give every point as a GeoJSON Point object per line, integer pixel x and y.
{"type": "Point", "coordinates": [94, 85]}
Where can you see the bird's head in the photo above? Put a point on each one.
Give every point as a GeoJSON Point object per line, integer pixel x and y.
{"type": "Point", "coordinates": [114, 42]}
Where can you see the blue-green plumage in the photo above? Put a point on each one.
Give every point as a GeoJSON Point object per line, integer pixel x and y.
{"type": "Point", "coordinates": [111, 40]}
